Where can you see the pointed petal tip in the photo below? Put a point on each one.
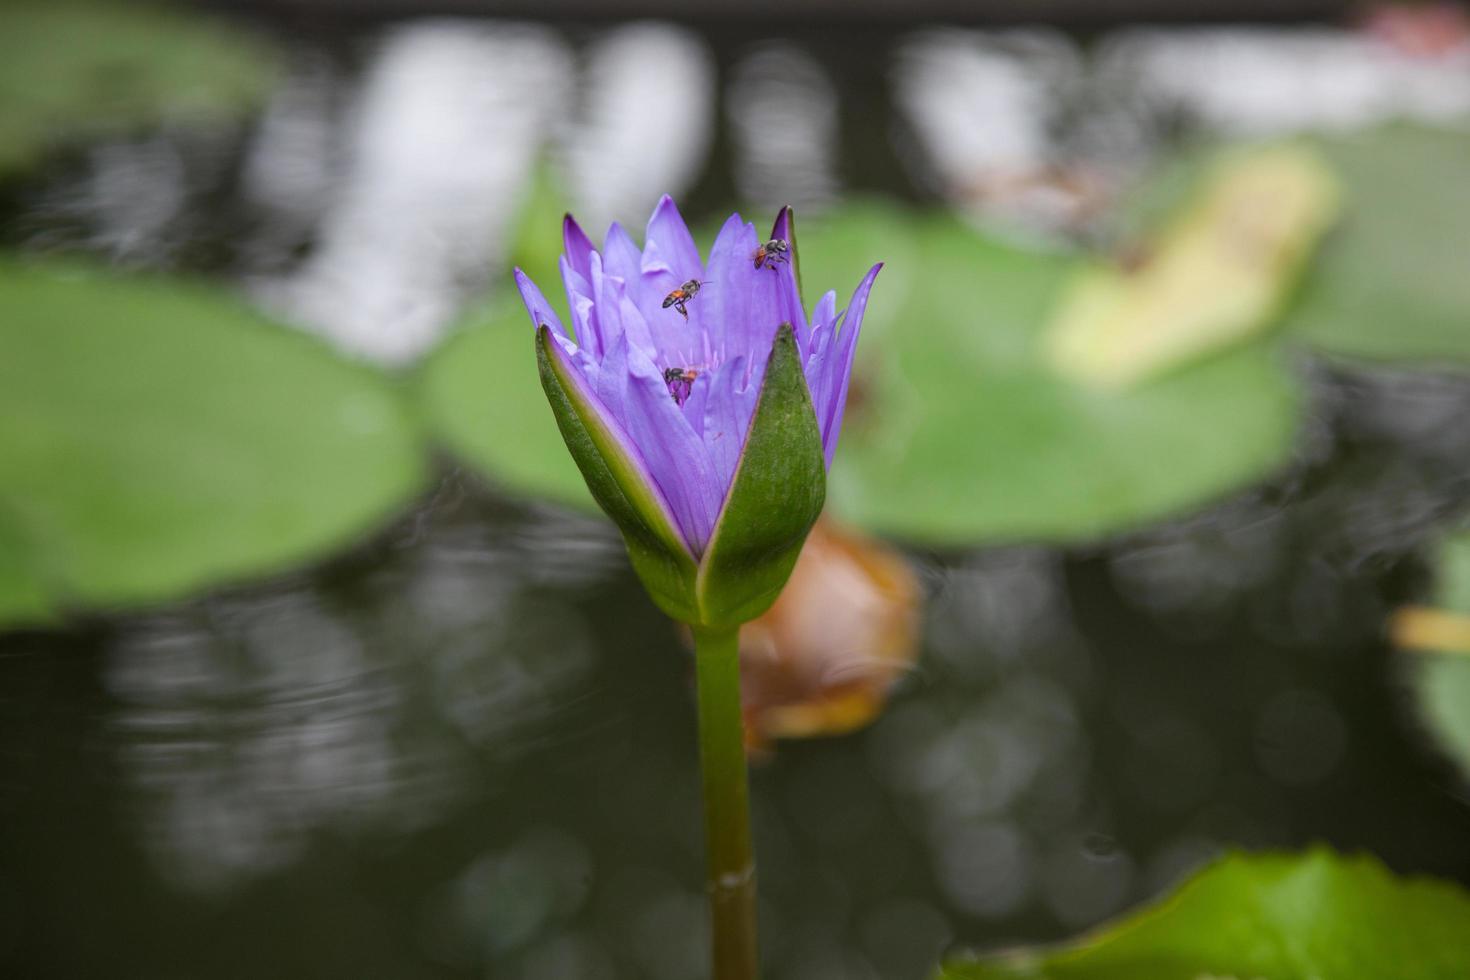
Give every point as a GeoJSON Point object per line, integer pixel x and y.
{"type": "Point", "coordinates": [781, 227]}
{"type": "Point", "coordinates": [571, 229]}
{"type": "Point", "coordinates": [665, 205]}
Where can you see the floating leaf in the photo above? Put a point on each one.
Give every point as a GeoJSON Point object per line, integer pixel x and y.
{"type": "Point", "coordinates": [482, 397]}
{"type": "Point", "coordinates": [157, 437]}
{"type": "Point", "coordinates": [960, 433]}
{"type": "Point", "coordinates": [956, 431]}
{"type": "Point", "coordinates": [1316, 916]}
{"type": "Point", "coordinates": [1219, 272]}
{"type": "Point", "coordinates": [1391, 284]}
{"type": "Point", "coordinates": [1436, 639]}
{"type": "Point", "coordinates": [1389, 281]}
{"type": "Point", "coordinates": [73, 71]}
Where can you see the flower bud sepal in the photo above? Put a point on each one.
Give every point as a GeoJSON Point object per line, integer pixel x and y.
{"type": "Point", "coordinates": [773, 500]}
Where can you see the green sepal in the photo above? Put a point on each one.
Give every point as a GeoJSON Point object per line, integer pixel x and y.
{"type": "Point", "coordinates": [775, 497]}
{"type": "Point", "coordinates": [658, 553]}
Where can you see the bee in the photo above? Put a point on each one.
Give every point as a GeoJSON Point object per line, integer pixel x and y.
{"type": "Point", "coordinates": [772, 252]}
{"type": "Point", "coordinates": [680, 382]}
{"type": "Point", "coordinates": [682, 295]}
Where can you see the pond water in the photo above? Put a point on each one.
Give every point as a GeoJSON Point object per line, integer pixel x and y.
{"type": "Point", "coordinates": [465, 747]}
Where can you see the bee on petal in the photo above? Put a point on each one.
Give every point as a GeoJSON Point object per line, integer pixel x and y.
{"type": "Point", "coordinates": [680, 382]}
{"type": "Point", "coordinates": [681, 296]}
{"type": "Point", "coordinates": [772, 252]}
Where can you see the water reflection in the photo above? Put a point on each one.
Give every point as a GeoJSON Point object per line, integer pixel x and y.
{"type": "Point", "coordinates": [645, 123]}
{"type": "Point", "coordinates": [147, 201]}
{"type": "Point", "coordinates": [486, 695]}
{"type": "Point", "coordinates": [988, 110]}
{"type": "Point", "coordinates": [783, 116]}
{"type": "Point", "coordinates": [438, 146]}
{"type": "Point", "coordinates": [1231, 80]}
{"type": "Point", "coordinates": [482, 732]}
{"type": "Point", "coordinates": [247, 725]}
{"type": "Point", "coordinates": [291, 165]}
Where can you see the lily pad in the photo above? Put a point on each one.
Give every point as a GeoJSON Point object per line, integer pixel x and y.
{"type": "Point", "coordinates": [482, 398]}
{"type": "Point", "coordinates": [956, 432]}
{"type": "Point", "coordinates": [1436, 643]}
{"type": "Point", "coordinates": [1277, 916]}
{"type": "Point", "coordinates": [960, 433]}
{"type": "Point", "coordinates": [1388, 283]}
{"type": "Point", "coordinates": [159, 437]}
{"type": "Point", "coordinates": [78, 70]}
{"type": "Point", "coordinates": [1391, 284]}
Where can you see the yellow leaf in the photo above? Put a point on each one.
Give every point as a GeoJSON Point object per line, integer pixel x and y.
{"type": "Point", "coordinates": [1220, 272]}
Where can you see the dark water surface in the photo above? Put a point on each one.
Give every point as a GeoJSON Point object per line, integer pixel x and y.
{"type": "Point", "coordinates": [465, 749]}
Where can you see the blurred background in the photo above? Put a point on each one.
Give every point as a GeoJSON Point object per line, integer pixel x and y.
{"type": "Point", "coordinates": [1144, 540]}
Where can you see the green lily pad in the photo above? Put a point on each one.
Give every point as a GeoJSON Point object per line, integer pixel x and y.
{"type": "Point", "coordinates": [1442, 688]}
{"type": "Point", "coordinates": [482, 398]}
{"type": "Point", "coordinates": [159, 437]}
{"type": "Point", "coordinates": [1316, 916]}
{"type": "Point", "coordinates": [1437, 648]}
{"type": "Point", "coordinates": [959, 432]}
{"type": "Point", "coordinates": [956, 430]}
{"type": "Point", "coordinates": [77, 70]}
{"type": "Point", "coordinates": [1391, 284]}
{"type": "Point", "coordinates": [1388, 283]}
{"type": "Point", "coordinates": [23, 595]}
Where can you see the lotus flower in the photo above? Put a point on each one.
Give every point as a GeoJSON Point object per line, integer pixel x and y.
{"type": "Point", "coordinates": [700, 403]}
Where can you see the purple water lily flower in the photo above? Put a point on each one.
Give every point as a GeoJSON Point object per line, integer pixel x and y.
{"type": "Point", "coordinates": [675, 373]}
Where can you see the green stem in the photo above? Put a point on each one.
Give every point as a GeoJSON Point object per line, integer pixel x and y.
{"type": "Point", "coordinates": [730, 859]}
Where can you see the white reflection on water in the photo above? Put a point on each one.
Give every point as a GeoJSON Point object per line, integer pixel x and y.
{"type": "Point", "coordinates": [783, 123]}
{"type": "Point", "coordinates": [238, 749]}
{"type": "Point", "coordinates": [983, 103]}
{"type": "Point", "coordinates": [247, 725]}
{"type": "Point", "coordinates": [292, 163]}
{"type": "Point", "coordinates": [449, 123]}
{"type": "Point", "coordinates": [1264, 81]}
{"type": "Point", "coordinates": [645, 122]}
{"type": "Point", "coordinates": [135, 201]}
{"type": "Point", "coordinates": [135, 190]}
{"type": "Point", "coordinates": [988, 110]}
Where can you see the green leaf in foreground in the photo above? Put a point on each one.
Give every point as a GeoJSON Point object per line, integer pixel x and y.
{"type": "Point", "coordinates": [158, 437]}
{"type": "Point", "coordinates": [1316, 916]}
{"type": "Point", "coordinates": [956, 430]}
{"type": "Point", "coordinates": [73, 71]}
